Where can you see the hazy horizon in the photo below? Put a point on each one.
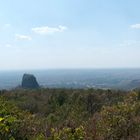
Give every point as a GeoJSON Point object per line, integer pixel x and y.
{"type": "Point", "coordinates": [75, 78]}
{"type": "Point", "coordinates": [69, 34]}
{"type": "Point", "coordinates": [45, 69]}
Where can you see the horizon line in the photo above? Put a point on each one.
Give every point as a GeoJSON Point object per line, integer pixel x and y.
{"type": "Point", "coordinates": [43, 69]}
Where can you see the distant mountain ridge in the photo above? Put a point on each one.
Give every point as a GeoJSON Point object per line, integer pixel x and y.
{"type": "Point", "coordinates": [29, 81]}
{"type": "Point", "coordinates": [134, 83]}
{"type": "Point", "coordinates": [126, 79]}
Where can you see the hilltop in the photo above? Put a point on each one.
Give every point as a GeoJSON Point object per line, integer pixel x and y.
{"type": "Point", "coordinates": [78, 114]}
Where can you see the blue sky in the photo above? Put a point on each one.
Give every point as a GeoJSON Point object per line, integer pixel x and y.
{"type": "Point", "coordinates": [44, 34]}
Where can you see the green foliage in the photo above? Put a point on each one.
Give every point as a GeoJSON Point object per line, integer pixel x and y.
{"type": "Point", "coordinates": [62, 105]}
{"type": "Point", "coordinates": [121, 121]}
{"type": "Point", "coordinates": [69, 114]}
{"type": "Point", "coordinates": [68, 134]}
{"type": "Point", "coordinates": [16, 124]}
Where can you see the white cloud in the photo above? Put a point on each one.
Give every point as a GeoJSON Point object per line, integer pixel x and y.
{"type": "Point", "coordinates": [8, 45]}
{"type": "Point", "coordinates": [22, 37]}
{"type": "Point", "coordinates": [135, 26]}
{"type": "Point", "coordinates": [44, 30]}
{"type": "Point", "coordinates": [7, 25]}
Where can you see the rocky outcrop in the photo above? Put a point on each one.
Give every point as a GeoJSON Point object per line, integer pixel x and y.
{"type": "Point", "coordinates": [29, 81]}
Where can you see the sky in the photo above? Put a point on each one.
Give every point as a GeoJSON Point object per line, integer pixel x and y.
{"type": "Point", "coordinates": [56, 34]}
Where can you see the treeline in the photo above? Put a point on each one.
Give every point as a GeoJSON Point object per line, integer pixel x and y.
{"type": "Point", "coordinates": [69, 114]}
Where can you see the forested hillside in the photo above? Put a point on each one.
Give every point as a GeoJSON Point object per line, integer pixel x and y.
{"type": "Point", "coordinates": [69, 114]}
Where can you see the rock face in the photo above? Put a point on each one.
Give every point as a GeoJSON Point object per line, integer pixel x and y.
{"type": "Point", "coordinates": [29, 81]}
